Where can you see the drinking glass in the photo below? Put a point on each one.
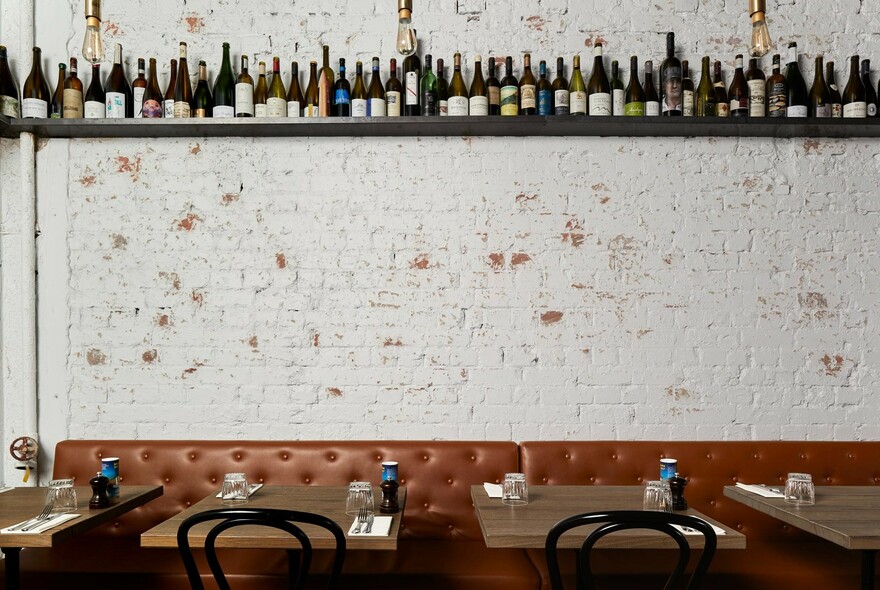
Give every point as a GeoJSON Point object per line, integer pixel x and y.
{"type": "Point", "coordinates": [514, 492]}
{"type": "Point", "coordinates": [235, 489]}
{"type": "Point", "coordinates": [62, 496]}
{"type": "Point", "coordinates": [360, 495]}
{"type": "Point", "coordinates": [658, 496]}
{"type": "Point", "coordinates": [799, 489]}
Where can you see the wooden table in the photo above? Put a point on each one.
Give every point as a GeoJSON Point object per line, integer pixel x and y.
{"type": "Point", "coordinates": [23, 503]}
{"type": "Point", "coordinates": [848, 516]}
{"type": "Point", "coordinates": [326, 500]}
{"type": "Point", "coordinates": [526, 527]}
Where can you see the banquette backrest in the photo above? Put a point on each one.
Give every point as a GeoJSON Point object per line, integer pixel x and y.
{"type": "Point", "coordinates": [437, 474]}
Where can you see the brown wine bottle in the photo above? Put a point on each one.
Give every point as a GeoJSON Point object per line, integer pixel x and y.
{"type": "Point", "coordinates": [139, 88]}
{"type": "Point", "coordinates": [57, 109]}
{"type": "Point", "coordinates": [168, 102]}
{"type": "Point", "coordinates": [35, 95]}
{"type": "Point", "coordinates": [820, 97]}
{"type": "Point", "coordinates": [183, 92]}
{"type": "Point", "coordinates": [73, 94]}
{"type": "Point", "coordinates": [153, 99]}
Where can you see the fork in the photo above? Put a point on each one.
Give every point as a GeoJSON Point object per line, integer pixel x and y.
{"type": "Point", "coordinates": [25, 526]}
{"type": "Point", "coordinates": [369, 528]}
{"type": "Point", "coordinates": [362, 520]}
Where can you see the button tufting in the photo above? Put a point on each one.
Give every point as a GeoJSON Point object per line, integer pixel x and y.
{"type": "Point", "coordinates": [284, 457]}
{"type": "Point", "coordinates": [146, 456]}
{"type": "Point", "coordinates": [592, 480]}
{"type": "Point", "coordinates": [426, 504]}
{"type": "Point", "coordinates": [828, 479]}
{"type": "Point", "coordinates": [308, 480]}
{"type": "Point", "coordinates": [544, 479]}
{"type": "Point", "coordinates": [332, 457]}
{"type": "Point", "coordinates": [188, 503]}
{"type": "Point", "coordinates": [378, 457]}
{"type": "Point", "coordinates": [116, 524]}
{"type": "Point", "coordinates": [424, 457]}
{"type": "Point", "coordinates": [735, 478]}
{"type": "Point", "coordinates": [803, 456]}
{"type": "Point", "coordinates": [711, 502]}
{"type": "Point", "coordinates": [614, 457]}
{"type": "Point", "coordinates": [213, 480]}
{"type": "Point", "coordinates": [167, 480]}
{"type": "Point", "coordinates": [449, 527]}
{"type": "Point", "coordinates": [708, 455]}
{"type": "Point", "coordinates": [739, 527]}
{"type": "Point", "coordinates": [639, 479]}
{"type": "Point", "coordinates": [121, 479]}
{"type": "Point", "coordinates": [238, 457]}
{"type": "Point", "coordinates": [473, 458]}
{"type": "Point", "coordinates": [100, 455]}
{"type": "Point", "coordinates": [851, 456]}
{"type": "Point", "coordinates": [756, 456]}
{"type": "Point", "coordinates": [261, 480]}
{"type": "Point", "coordinates": [449, 481]}
{"type": "Point", "coordinates": [402, 482]}
{"type": "Point", "coordinates": [567, 456]}
{"type": "Point", "coordinates": [193, 456]}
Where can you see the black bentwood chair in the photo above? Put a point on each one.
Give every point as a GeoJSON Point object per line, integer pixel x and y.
{"type": "Point", "coordinates": [299, 559]}
{"type": "Point", "coordinates": [631, 519]}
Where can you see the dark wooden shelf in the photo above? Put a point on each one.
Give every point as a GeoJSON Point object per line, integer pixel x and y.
{"type": "Point", "coordinates": [575, 126]}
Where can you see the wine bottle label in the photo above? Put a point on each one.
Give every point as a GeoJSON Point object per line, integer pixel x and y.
{"type": "Point", "coordinates": [169, 108]}
{"type": "Point", "coordinates": [528, 96]}
{"type": "Point", "coordinates": [836, 111]}
{"type": "Point", "coordinates": [509, 100]}
{"type": "Point", "coordinates": [578, 103]}
{"type": "Point", "coordinates": [34, 108]}
{"type": "Point", "coordinates": [739, 107]}
{"type": "Point", "coordinates": [687, 103]}
{"type": "Point", "coordinates": [223, 112]}
{"type": "Point", "coordinates": [73, 104]}
{"type": "Point", "coordinates": [495, 96]}
{"type": "Point", "coordinates": [855, 110]}
{"type": "Point", "coordinates": [823, 112]}
{"type": "Point", "coordinates": [796, 111]}
{"type": "Point", "coordinates": [138, 94]}
{"type": "Point", "coordinates": [261, 110]}
{"type": "Point", "coordinates": [757, 98]}
{"type": "Point", "coordinates": [276, 107]}
{"type": "Point", "coordinates": [652, 108]}
{"type": "Point", "coordinates": [458, 106]}
{"type": "Point", "coordinates": [294, 110]}
{"type": "Point", "coordinates": [429, 104]}
{"type": "Point", "coordinates": [479, 106]}
{"type": "Point", "coordinates": [376, 107]}
{"type": "Point", "coordinates": [341, 97]}
{"type": "Point", "coordinates": [9, 106]}
{"type": "Point", "coordinates": [722, 109]}
{"type": "Point", "coordinates": [244, 99]}
{"type": "Point", "coordinates": [777, 99]}
{"type": "Point", "coordinates": [545, 102]}
{"type": "Point", "coordinates": [561, 102]}
{"type": "Point", "coordinates": [311, 111]}
{"type": "Point", "coordinates": [872, 109]}
{"type": "Point", "coordinates": [600, 104]}
{"type": "Point", "coordinates": [412, 89]}
{"type": "Point", "coordinates": [392, 103]}
{"type": "Point", "coordinates": [359, 107]}
{"type": "Point", "coordinates": [152, 109]}
{"type": "Point", "coordinates": [115, 105]}
{"type": "Point", "coordinates": [618, 100]}
{"type": "Point", "coordinates": [443, 108]}
{"type": "Point", "coordinates": [200, 114]}
{"type": "Point", "coordinates": [325, 93]}
{"type": "Point", "coordinates": [95, 110]}
{"type": "Point", "coordinates": [634, 109]}
{"type": "Point", "coordinates": [182, 110]}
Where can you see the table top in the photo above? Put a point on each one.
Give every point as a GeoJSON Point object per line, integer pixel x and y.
{"type": "Point", "coordinates": [846, 515]}
{"type": "Point", "coordinates": [326, 500]}
{"type": "Point", "coordinates": [526, 527]}
{"type": "Point", "coordinates": [22, 503]}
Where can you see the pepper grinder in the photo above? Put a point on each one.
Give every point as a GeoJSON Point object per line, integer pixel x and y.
{"type": "Point", "coordinates": [677, 484]}
{"type": "Point", "coordinates": [99, 498]}
{"type": "Point", "coordinates": [389, 488]}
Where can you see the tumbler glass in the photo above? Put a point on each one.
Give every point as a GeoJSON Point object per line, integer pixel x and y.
{"type": "Point", "coordinates": [235, 489]}
{"type": "Point", "coordinates": [514, 491]}
{"type": "Point", "coordinates": [360, 495]}
{"type": "Point", "coordinates": [799, 489]}
{"type": "Point", "coordinates": [62, 496]}
{"type": "Point", "coordinates": [658, 496]}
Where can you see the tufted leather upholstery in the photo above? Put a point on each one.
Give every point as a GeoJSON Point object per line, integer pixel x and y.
{"type": "Point", "coordinates": [775, 551]}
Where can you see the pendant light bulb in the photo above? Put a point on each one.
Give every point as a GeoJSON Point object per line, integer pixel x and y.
{"type": "Point", "coordinates": [93, 46]}
{"type": "Point", "coordinates": [406, 34]}
{"type": "Point", "coordinates": [761, 43]}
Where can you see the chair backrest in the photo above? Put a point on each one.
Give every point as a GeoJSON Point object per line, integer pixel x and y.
{"type": "Point", "coordinates": [300, 559]}
{"type": "Point", "coordinates": [613, 521]}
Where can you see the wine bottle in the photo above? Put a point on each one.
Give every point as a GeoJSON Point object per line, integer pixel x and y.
{"type": "Point", "coordinates": [168, 103]}
{"type": "Point", "coordinates": [224, 88]}
{"type": "Point", "coordinates": [478, 104]}
{"type": "Point", "coordinates": [798, 99]}
{"type": "Point", "coordinates": [739, 91]}
{"type": "Point", "coordinates": [634, 101]}
{"type": "Point", "coordinates": [528, 89]}
{"type": "Point", "coordinates": [652, 101]}
{"type": "Point", "coordinates": [870, 93]}
{"type": "Point", "coordinates": [458, 92]}
{"type": "Point", "coordinates": [183, 90]}
{"type": "Point", "coordinates": [561, 96]}
{"type": "Point", "coordinates": [618, 92]}
{"type": "Point", "coordinates": [836, 101]}
{"type": "Point", "coordinates": [341, 93]}
{"type": "Point", "coordinates": [820, 96]}
{"type": "Point", "coordinates": [670, 81]}
{"type": "Point", "coordinates": [757, 90]}
{"type": "Point", "coordinates": [428, 90]}
{"type": "Point", "coordinates": [688, 93]}
{"type": "Point", "coordinates": [276, 99]}
{"type": "Point", "coordinates": [494, 87]}
{"type": "Point", "coordinates": [359, 96]}
{"type": "Point", "coordinates": [376, 105]}
{"type": "Point", "coordinates": [138, 88]}
{"type": "Point", "coordinates": [312, 96]}
{"type": "Point", "coordinates": [509, 91]}
{"type": "Point", "coordinates": [599, 89]}
{"type": "Point", "coordinates": [325, 87]}
{"type": "Point", "coordinates": [722, 106]}
{"type": "Point", "coordinates": [203, 102]}
{"type": "Point", "coordinates": [412, 77]}
{"type": "Point", "coordinates": [706, 98]}
{"type": "Point", "coordinates": [95, 107]}
{"type": "Point", "coordinates": [73, 94]}
{"type": "Point", "coordinates": [152, 108]}
{"type": "Point", "coordinates": [442, 90]}
{"type": "Point", "coordinates": [545, 91]}
{"type": "Point", "coordinates": [244, 91]}
{"type": "Point", "coordinates": [294, 93]}
{"type": "Point", "coordinates": [117, 90]}
{"type": "Point", "coordinates": [56, 110]}
{"type": "Point", "coordinates": [261, 93]}
{"type": "Point", "coordinates": [8, 88]}
{"type": "Point", "coordinates": [35, 92]}
{"type": "Point", "coordinates": [577, 91]}
{"type": "Point", "coordinates": [855, 103]}
{"type": "Point", "coordinates": [393, 92]}
{"type": "Point", "coordinates": [777, 91]}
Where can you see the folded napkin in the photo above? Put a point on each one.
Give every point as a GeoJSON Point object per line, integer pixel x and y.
{"type": "Point", "coordinates": [6, 490]}
{"type": "Point", "coordinates": [251, 489]}
{"type": "Point", "coordinates": [53, 521]}
{"type": "Point", "coordinates": [761, 490]}
{"type": "Point", "coordinates": [492, 489]}
{"type": "Point", "coordinates": [689, 531]}
{"type": "Point", "coordinates": [381, 528]}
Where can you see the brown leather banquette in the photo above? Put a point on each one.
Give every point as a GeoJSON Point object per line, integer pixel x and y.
{"type": "Point", "coordinates": [440, 543]}
{"type": "Point", "coordinates": [777, 555]}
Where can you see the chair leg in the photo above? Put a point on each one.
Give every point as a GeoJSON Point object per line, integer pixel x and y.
{"type": "Point", "coordinates": [293, 559]}
{"type": "Point", "coordinates": [868, 559]}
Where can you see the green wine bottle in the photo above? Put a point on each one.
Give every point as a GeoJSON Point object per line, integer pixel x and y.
{"type": "Point", "coordinates": [224, 88]}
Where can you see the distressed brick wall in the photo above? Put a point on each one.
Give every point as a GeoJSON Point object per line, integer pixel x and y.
{"type": "Point", "coordinates": [492, 288]}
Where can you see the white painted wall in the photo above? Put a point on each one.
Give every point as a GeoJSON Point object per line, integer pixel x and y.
{"type": "Point", "coordinates": [490, 289]}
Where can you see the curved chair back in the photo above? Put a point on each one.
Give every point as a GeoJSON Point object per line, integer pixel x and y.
{"type": "Point", "coordinates": [286, 520]}
{"type": "Point", "coordinates": [613, 521]}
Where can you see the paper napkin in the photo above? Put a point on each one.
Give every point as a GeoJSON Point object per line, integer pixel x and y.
{"type": "Point", "coordinates": [690, 531]}
{"type": "Point", "coordinates": [251, 489]}
{"type": "Point", "coordinates": [492, 489]}
{"type": "Point", "coordinates": [6, 490]}
{"type": "Point", "coordinates": [50, 523]}
{"type": "Point", "coordinates": [760, 490]}
{"type": "Point", "coordinates": [381, 528]}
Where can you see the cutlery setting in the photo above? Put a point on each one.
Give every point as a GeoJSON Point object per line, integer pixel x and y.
{"type": "Point", "coordinates": [27, 525]}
